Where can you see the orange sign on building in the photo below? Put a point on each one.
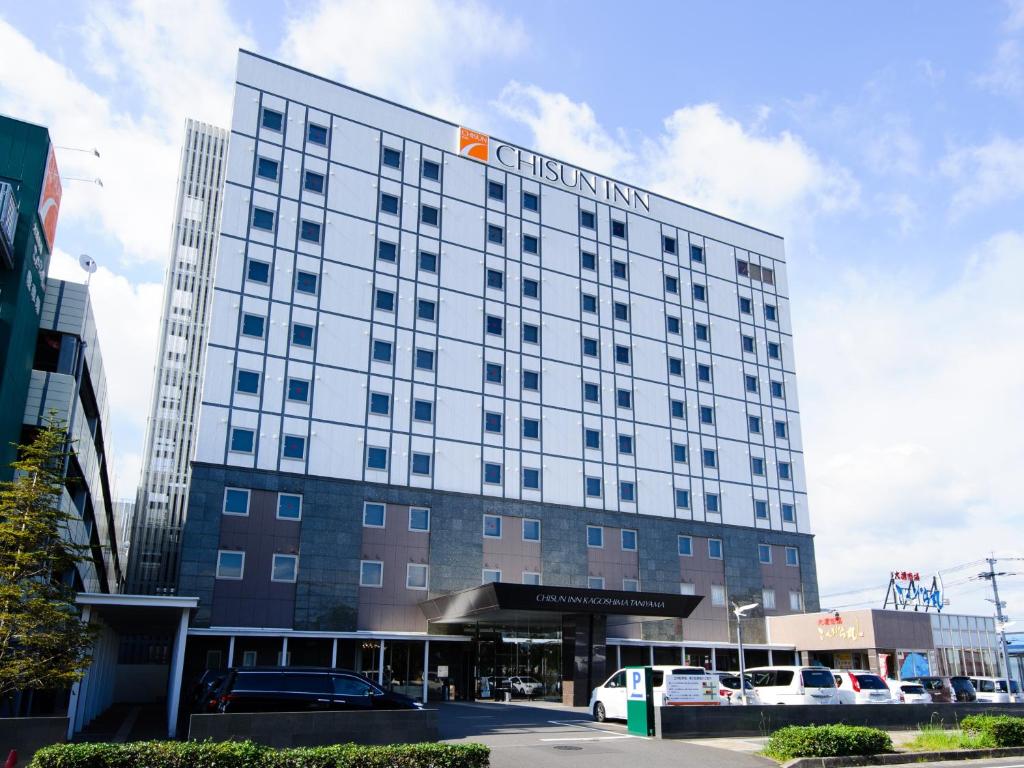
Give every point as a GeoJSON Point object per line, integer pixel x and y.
{"type": "Point", "coordinates": [473, 144]}
{"type": "Point", "coordinates": [49, 199]}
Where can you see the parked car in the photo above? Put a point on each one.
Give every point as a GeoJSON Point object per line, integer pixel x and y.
{"type": "Point", "coordinates": [729, 689]}
{"type": "Point", "coordinates": [945, 690]}
{"type": "Point", "coordinates": [964, 689]}
{"type": "Point", "coordinates": [856, 686]}
{"type": "Point", "coordinates": [794, 685]}
{"type": "Point", "coordinates": [301, 689]}
{"type": "Point", "coordinates": [524, 685]}
{"type": "Point", "coordinates": [201, 694]}
{"type": "Point", "coordinates": [1016, 693]}
{"type": "Point", "coordinates": [909, 692]}
{"type": "Point", "coordinates": [608, 700]}
{"type": "Point", "coordinates": [991, 690]}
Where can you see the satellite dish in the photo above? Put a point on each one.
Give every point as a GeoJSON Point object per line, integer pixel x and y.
{"type": "Point", "coordinates": [88, 263]}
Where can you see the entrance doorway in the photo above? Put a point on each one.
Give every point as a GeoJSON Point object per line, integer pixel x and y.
{"type": "Point", "coordinates": [521, 659]}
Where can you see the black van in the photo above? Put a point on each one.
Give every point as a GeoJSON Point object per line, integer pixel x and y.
{"type": "Point", "coordinates": [299, 689]}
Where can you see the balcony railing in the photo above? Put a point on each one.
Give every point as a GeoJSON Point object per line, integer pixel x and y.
{"type": "Point", "coordinates": [8, 223]}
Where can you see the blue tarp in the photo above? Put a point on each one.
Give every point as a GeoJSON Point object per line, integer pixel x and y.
{"type": "Point", "coordinates": [913, 666]}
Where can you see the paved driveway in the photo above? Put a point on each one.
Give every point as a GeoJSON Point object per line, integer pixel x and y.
{"type": "Point", "coordinates": [542, 735]}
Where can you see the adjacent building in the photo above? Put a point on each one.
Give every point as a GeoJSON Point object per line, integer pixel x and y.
{"type": "Point", "coordinates": [160, 503]}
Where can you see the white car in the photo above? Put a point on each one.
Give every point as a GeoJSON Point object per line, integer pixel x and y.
{"type": "Point", "coordinates": [991, 690]}
{"type": "Point", "coordinates": [729, 689]}
{"type": "Point", "coordinates": [525, 686]}
{"type": "Point", "coordinates": [908, 692]}
{"type": "Point", "coordinates": [794, 685]}
{"type": "Point", "coordinates": [608, 700]}
{"type": "Point", "coordinates": [857, 686]}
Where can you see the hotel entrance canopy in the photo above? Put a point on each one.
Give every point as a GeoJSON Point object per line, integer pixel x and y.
{"type": "Point", "coordinates": [503, 602]}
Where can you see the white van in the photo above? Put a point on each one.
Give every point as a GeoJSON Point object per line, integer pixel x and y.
{"type": "Point", "coordinates": [608, 700]}
{"type": "Point", "coordinates": [794, 685]}
{"type": "Point", "coordinates": [858, 686]}
{"type": "Point", "coordinates": [992, 690]}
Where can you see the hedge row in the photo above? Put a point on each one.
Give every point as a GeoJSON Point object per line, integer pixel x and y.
{"type": "Point", "coordinates": [1003, 730]}
{"type": "Point", "coordinates": [826, 741]}
{"type": "Point", "coordinates": [246, 754]}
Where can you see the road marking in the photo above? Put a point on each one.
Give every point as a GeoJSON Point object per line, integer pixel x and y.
{"type": "Point", "coordinates": [591, 738]}
{"type": "Point", "coordinates": [617, 734]}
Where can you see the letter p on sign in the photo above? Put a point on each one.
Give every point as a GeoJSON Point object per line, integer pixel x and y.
{"type": "Point", "coordinates": [637, 689]}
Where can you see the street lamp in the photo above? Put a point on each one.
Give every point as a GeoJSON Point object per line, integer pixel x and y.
{"type": "Point", "coordinates": [739, 611]}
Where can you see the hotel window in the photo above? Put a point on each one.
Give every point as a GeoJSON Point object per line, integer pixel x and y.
{"type": "Point", "coordinates": [426, 310]}
{"type": "Point", "coordinates": [592, 438]}
{"type": "Point", "coordinates": [428, 261]}
{"type": "Point", "coordinates": [371, 573]}
{"type": "Point", "coordinates": [774, 350]}
{"type": "Point", "coordinates": [424, 359]}
{"type": "Point", "coordinates": [380, 403]}
{"type": "Point", "coordinates": [247, 382]}
{"type": "Point", "coordinates": [531, 478]}
{"type": "Point", "coordinates": [711, 503]}
{"type": "Point", "coordinates": [700, 293]}
{"type": "Point", "coordinates": [624, 398]}
{"type": "Point", "coordinates": [687, 588]}
{"type": "Point", "coordinates": [593, 487]}
{"type": "Point", "coordinates": [491, 575]}
{"type": "Point", "coordinates": [754, 424]}
{"type": "Point", "coordinates": [230, 564]}
{"type": "Point", "coordinates": [376, 458]}
{"type": "Point", "coordinates": [679, 453]}
{"type": "Point", "coordinates": [421, 463]}
{"type": "Point", "coordinates": [673, 324]}
{"type": "Point", "coordinates": [777, 390]}
{"type": "Point", "coordinates": [387, 251]}
{"type": "Point", "coordinates": [316, 134]}
{"type": "Point", "coordinates": [236, 502]}
{"type": "Point", "coordinates": [744, 305]}
{"type": "Point", "coordinates": [707, 415]}
{"type": "Point", "coordinates": [495, 234]}
{"type": "Point", "coordinates": [492, 422]}
{"type": "Point", "coordinates": [628, 540]}
{"type": "Point", "coordinates": [531, 380]}
{"type": "Point", "coordinates": [703, 372]}
{"type": "Point", "coordinates": [591, 392]}
{"type": "Point", "coordinates": [630, 585]}
{"type": "Point", "coordinates": [588, 260]}
{"type": "Point", "coordinates": [768, 599]}
{"type": "Point", "coordinates": [495, 190]}
{"type": "Point", "coordinates": [618, 228]}
{"type": "Point", "coordinates": [430, 215]}
{"type": "Point", "coordinates": [619, 270]}
{"type": "Point", "coordinates": [431, 170]}
{"type": "Point", "coordinates": [796, 602]}
{"type": "Point", "coordinates": [492, 527]}
{"type": "Point", "coordinates": [305, 282]}
{"type": "Point", "coordinates": [388, 203]}
{"type": "Point", "coordinates": [750, 383]}
{"type": "Point", "coordinates": [675, 366]}
{"type": "Point", "coordinates": [780, 430]}
{"type": "Point", "coordinates": [621, 311]}
{"type": "Point", "coordinates": [621, 354]}
{"type": "Point", "coordinates": [302, 335]}
{"type": "Point", "coordinates": [595, 582]}
{"type": "Point", "coordinates": [309, 231]}
{"type": "Point", "coordinates": [263, 219]}
{"type": "Point", "coordinates": [627, 491]}
{"type": "Point", "coordinates": [419, 519]}
{"type": "Point", "coordinates": [697, 254]}
{"type": "Point", "coordinates": [748, 344]}
{"type": "Point", "coordinates": [416, 576]}
{"type": "Point", "coordinates": [496, 279]}
{"type": "Point", "coordinates": [626, 444]}
{"type": "Point", "coordinates": [671, 284]}
{"type": "Point", "coordinates": [770, 313]}
{"type": "Point", "coordinates": [382, 351]}
{"type": "Point", "coordinates": [757, 465]}
{"type": "Point", "coordinates": [788, 513]}
{"type": "Point", "coordinates": [684, 544]}
{"type": "Point", "coordinates": [682, 498]}
{"type": "Point", "coordinates": [792, 556]}
{"type": "Point", "coordinates": [677, 409]}
{"type": "Point", "coordinates": [293, 447]}
{"type": "Point", "coordinates": [668, 244]}
{"type": "Point", "coordinates": [717, 595]}
{"type": "Point", "coordinates": [266, 168]}
{"type": "Point", "coordinates": [531, 428]}
{"type": "Point", "coordinates": [271, 119]}
{"type": "Point", "coordinates": [493, 373]}
{"type": "Point", "coordinates": [423, 410]}
{"type": "Point", "coordinates": [587, 219]}
{"type": "Point", "coordinates": [289, 506]}
{"type": "Point", "coordinates": [284, 567]}
{"type": "Point", "coordinates": [701, 332]}
{"type": "Point", "coordinates": [531, 529]}
{"type": "Point", "coordinates": [242, 440]}
{"type": "Point", "coordinates": [531, 333]}
{"type": "Point", "coordinates": [595, 537]}
{"type": "Point", "coordinates": [785, 470]}
{"type": "Point", "coordinates": [588, 303]}
{"type": "Point", "coordinates": [530, 244]}
{"type": "Point", "coordinates": [760, 509]}
{"type": "Point", "coordinates": [590, 347]}
{"type": "Point", "coordinates": [385, 300]}
{"type": "Point", "coordinates": [531, 202]}
{"type": "Point", "coordinates": [531, 577]}
{"type": "Point", "coordinates": [392, 158]}
{"type": "Point", "coordinates": [492, 473]}
{"type": "Point", "coordinates": [531, 288]}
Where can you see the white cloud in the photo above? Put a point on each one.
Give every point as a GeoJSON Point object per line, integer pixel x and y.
{"type": "Point", "coordinates": [900, 206]}
{"type": "Point", "coordinates": [987, 174]}
{"type": "Point", "coordinates": [1015, 19]}
{"type": "Point", "coordinates": [907, 411]}
{"type": "Point", "coordinates": [1006, 75]}
{"type": "Point", "coordinates": [892, 149]}
{"type": "Point", "coordinates": [413, 51]}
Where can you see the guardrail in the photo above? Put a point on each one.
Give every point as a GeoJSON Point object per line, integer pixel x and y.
{"type": "Point", "coordinates": [8, 221]}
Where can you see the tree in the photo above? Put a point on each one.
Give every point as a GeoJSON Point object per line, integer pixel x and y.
{"type": "Point", "coordinates": [44, 644]}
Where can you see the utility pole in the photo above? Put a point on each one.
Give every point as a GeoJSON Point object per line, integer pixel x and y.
{"type": "Point", "coordinates": [1001, 618]}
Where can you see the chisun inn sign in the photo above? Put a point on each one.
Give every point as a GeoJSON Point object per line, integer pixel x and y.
{"type": "Point", "coordinates": [479, 146]}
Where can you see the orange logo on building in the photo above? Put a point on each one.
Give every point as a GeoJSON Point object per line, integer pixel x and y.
{"type": "Point", "coordinates": [473, 144]}
{"type": "Point", "coordinates": [49, 199]}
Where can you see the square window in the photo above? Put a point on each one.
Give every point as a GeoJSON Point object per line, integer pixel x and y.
{"type": "Point", "coordinates": [711, 503]}
{"type": "Point", "coordinates": [748, 344]}
{"type": "Point", "coordinates": [707, 414]}
{"type": "Point", "coordinates": [271, 119]}
{"type": "Point", "coordinates": [382, 351]}
{"type": "Point", "coordinates": [388, 203]}
{"type": "Point", "coordinates": [591, 392]}
{"type": "Point", "coordinates": [305, 282]}
{"type": "Point", "coordinates": [768, 275]}
{"type": "Point", "coordinates": [618, 228]}
{"type": "Point", "coordinates": [774, 350]}
{"type": "Point", "coordinates": [595, 536]}
{"type": "Point", "coordinates": [682, 498]}
{"type": "Point", "coordinates": [588, 260]}
{"type": "Point", "coordinates": [745, 305]}
{"type": "Point", "coordinates": [242, 440]}
{"type": "Point", "coordinates": [685, 545]}
{"type": "Point", "coordinates": [298, 390]}
{"type": "Point", "coordinates": [628, 540]}
{"type": "Point", "coordinates": [715, 549]}
{"type": "Point", "coordinates": [750, 383]}
{"type": "Point", "coordinates": [679, 453]}
{"type": "Point", "coordinates": [788, 513]}
{"type": "Point", "coordinates": [289, 506]}
{"type": "Point", "coordinates": [624, 398]}
{"type": "Point", "coordinates": [795, 602]}
{"type": "Point", "coordinates": [531, 380]}
{"type": "Point", "coordinates": [754, 424]}
{"type": "Point", "coordinates": [678, 409]}
{"type": "Point", "coordinates": [495, 234]}
{"type": "Point", "coordinates": [371, 573]}
{"type": "Point", "coordinates": [697, 254]}
{"type": "Point", "coordinates": [668, 244]}
{"type": "Point", "coordinates": [492, 473]}
{"type": "Point", "coordinates": [792, 556]}
{"type": "Point", "coordinates": [392, 158]}
{"type": "Point", "coordinates": [768, 599]}
{"type": "Point", "coordinates": [419, 519]}
{"type": "Point", "coordinates": [309, 231]}
{"type": "Point", "coordinates": [785, 470]}
{"type": "Point", "coordinates": [430, 215]}
{"type": "Point", "coordinates": [531, 202]}
{"type": "Point", "coordinates": [531, 334]}
{"type": "Point", "coordinates": [590, 347]}
{"type": "Point", "coordinates": [426, 310]}
{"type": "Point", "coordinates": [493, 373]}
{"type": "Point", "coordinates": [236, 501]}
{"type": "Point", "coordinates": [595, 582]}
{"type": "Point", "coordinates": [630, 585]}
{"type": "Point", "coordinates": [284, 567]}
{"type": "Point", "coordinates": [495, 325]}
{"type": "Point", "coordinates": [770, 313]}
{"type": "Point", "coordinates": [587, 219]}
{"type": "Point", "coordinates": [431, 170]}
{"type": "Point", "coordinates": [531, 478]}
{"type": "Point", "coordinates": [423, 410]}
{"type": "Point", "coordinates": [700, 293]}
{"type": "Point", "coordinates": [316, 134]}
{"type": "Point", "coordinates": [302, 335]}
{"type": "Point", "coordinates": [495, 279]}
{"type": "Point", "coordinates": [701, 332]}
{"type": "Point", "coordinates": [230, 564]}
{"type": "Point", "coordinates": [491, 575]}
{"type": "Point", "coordinates": [376, 458]}
{"type": "Point", "coordinates": [380, 403]}
{"type": "Point", "coordinates": [592, 438]}
{"type": "Point", "coordinates": [416, 576]}
{"type": "Point", "coordinates": [531, 529]}
{"type": "Point", "coordinates": [385, 300]}
{"type": "Point", "coordinates": [263, 219]}
{"type": "Point", "coordinates": [247, 382]}
{"type": "Point", "coordinates": [671, 284]}
{"type": "Point", "coordinates": [387, 251]}
{"type": "Point", "coordinates": [531, 428]}
{"type": "Point", "coordinates": [492, 422]}
{"type": "Point", "coordinates": [495, 190]}
{"type": "Point", "coordinates": [673, 324]}
{"type": "Point", "coordinates": [492, 526]}
{"type": "Point", "coordinates": [425, 359]}
{"type": "Point", "coordinates": [588, 303]}
{"type": "Point", "coordinates": [313, 182]}
{"type": "Point", "coordinates": [428, 261]}
{"type": "Point", "coordinates": [293, 447]}
{"type": "Point", "coordinates": [530, 244]}
{"type": "Point", "coordinates": [619, 269]}
{"type": "Point", "coordinates": [757, 465]}
{"type": "Point", "coordinates": [627, 491]}
{"type": "Point", "coordinates": [703, 372]}
{"type": "Point", "coordinates": [267, 168]}
{"type": "Point", "coordinates": [687, 588]}
{"type": "Point", "coordinates": [710, 458]}
{"type": "Point", "coordinates": [777, 390]}
{"type": "Point", "coordinates": [626, 444]}
{"type": "Point", "coordinates": [621, 311]}
{"type": "Point", "coordinates": [742, 268]}
{"type": "Point", "coordinates": [780, 430]}
{"type": "Point", "coordinates": [621, 354]}
{"type": "Point", "coordinates": [531, 288]}
{"type": "Point", "coordinates": [760, 509]}
{"type": "Point", "coordinates": [593, 487]}
{"type": "Point", "coordinates": [717, 595]}
{"type": "Point", "coordinates": [421, 464]}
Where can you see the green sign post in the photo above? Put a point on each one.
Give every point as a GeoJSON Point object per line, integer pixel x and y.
{"type": "Point", "coordinates": [639, 701]}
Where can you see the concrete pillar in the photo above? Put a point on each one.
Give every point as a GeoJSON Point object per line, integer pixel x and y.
{"type": "Point", "coordinates": [771, 660]}
{"type": "Point", "coordinates": [618, 657]}
{"type": "Point", "coordinates": [426, 667]}
{"type": "Point", "coordinates": [80, 693]}
{"type": "Point", "coordinates": [174, 679]}
{"type": "Point", "coordinates": [650, 655]}
{"type": "Point", "coordinates": [231, 651]}
{"type": "Point", "coordinates": [682, 655]}
{"type": "Point", "coordinates": [714, 660]}
{"type": "Point", "coordinates": [380, 665]}
{"type": "Point", "coordinates": [284, 651]}
{"type": "Point", "coordinates": [334, 652]}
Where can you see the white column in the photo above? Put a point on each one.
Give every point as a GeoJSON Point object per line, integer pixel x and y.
{"type": "Point", "coordinates": [618, 656]}
{"type": "Point", "coordinates": [284, 651]}
{"type": "Point", "coordinates": [80, 691]}
{"type": "Point", "coordinates": [426, 667]}
{"type": "Point", "coordinates": [380, 665]}
{"type": "Point", "coordinates": [682, 655]}
{"type": "Point", "coordinates": [231, 651]}
{"type": "Point", "coordinates": [334, 652]}
{"type": "Point", "coordinates": [650, 654]}
{"type": "Point", "coordinates": [714, 661]}
{"type": "Point", "coordinates": [174, 680]}
{"type": "Point", "coordinates": [771, 661]}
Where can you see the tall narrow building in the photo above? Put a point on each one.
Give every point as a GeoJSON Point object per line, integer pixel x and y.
{"type": "Point", "coordinates": [177, 380]}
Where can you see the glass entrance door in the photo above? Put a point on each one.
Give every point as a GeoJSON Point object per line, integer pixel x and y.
{"type": "Point", "coordinates": [520, 660]}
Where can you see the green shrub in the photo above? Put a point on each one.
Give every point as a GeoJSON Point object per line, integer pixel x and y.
{"type": "Point", "coordinates": [1003, 730]}
{"type": "Point", "coordinates": [245, 754]}
{"type": "Point", "coordinates": [826, 741]}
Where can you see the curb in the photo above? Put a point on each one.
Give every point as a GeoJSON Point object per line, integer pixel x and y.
{"type": "Point", "coordinates": [897, 758]}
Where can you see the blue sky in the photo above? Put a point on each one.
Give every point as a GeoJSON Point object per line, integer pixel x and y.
{"type": "Point", "coordinates": [883, 141]}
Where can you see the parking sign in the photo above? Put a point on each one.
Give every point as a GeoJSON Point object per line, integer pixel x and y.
{"type": "Point", "coordinates": [637, 687]}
